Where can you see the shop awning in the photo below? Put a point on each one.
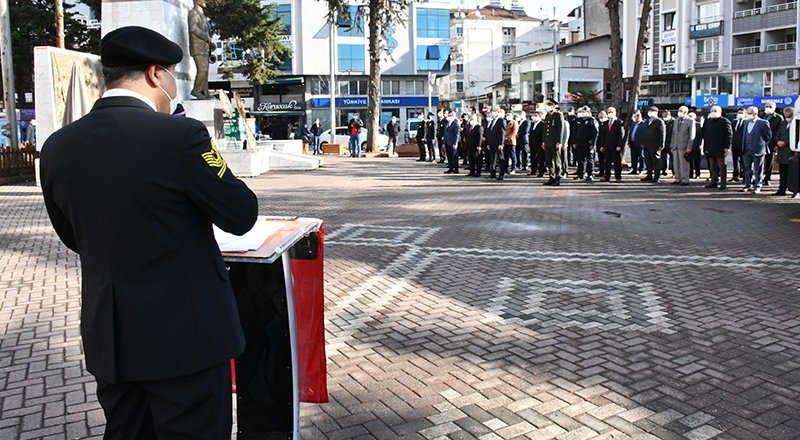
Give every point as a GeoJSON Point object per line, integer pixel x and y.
{"type": "Point", "coordinates": [277, 113]}
{"type": "Point", "coordinates": [280, 80]}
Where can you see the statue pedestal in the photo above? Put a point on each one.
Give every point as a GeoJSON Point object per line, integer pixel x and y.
{"type": "Point", "coordinates": [168, 17]}
{"type": "Point", "coordinates": [203, 111]}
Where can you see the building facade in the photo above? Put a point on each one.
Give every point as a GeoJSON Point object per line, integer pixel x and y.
{"type": "Point", "coordinates": [301, 93]}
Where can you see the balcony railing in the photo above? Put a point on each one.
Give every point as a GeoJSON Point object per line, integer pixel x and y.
{"type": "Point", "coordinates": [712, 19]}
{"type": "Point", "coordinates": [745, 50]}
{"type": "Point", "coordinates": [782, 7]}
{"type": "Point", "coordinates": [781, 46]}
{"type": "Point", "coordinates": [707, 57]}
{"type": "Point", "coordinates": [747, 13]}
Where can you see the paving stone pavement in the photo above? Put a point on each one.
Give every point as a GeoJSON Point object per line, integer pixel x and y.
{"type": "Point", "coordinates": [465, 308]}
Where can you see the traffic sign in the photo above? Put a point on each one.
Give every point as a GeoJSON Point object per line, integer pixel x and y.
{"type": "Point", "coordinates": [485, 109]}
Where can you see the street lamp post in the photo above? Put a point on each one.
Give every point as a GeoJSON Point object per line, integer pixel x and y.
{"type": "Point", "coordinates": [332, 85]}
{"type": "Point", "coordinates": [8, 75]}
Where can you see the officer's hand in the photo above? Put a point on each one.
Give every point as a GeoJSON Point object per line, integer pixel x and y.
{"type": "Point", "coordinates": [688, 150]}
{"type": "Point", "coordinates": [558, 146]}
{"type": "Point", "coordinates": [781, 143]}
{"type": "Point", "coordinates": [602, 149]}
{"type": "Point", "coordinates": [542, 145]}
{"type": "Point", "coordinates": [619, 149]}
{"type": "Point", "coordinates": [726, 150]}
{"type": "Point", "coordinates": [500, 148]}
{"type": "Point", "coordinates": [574, 145]}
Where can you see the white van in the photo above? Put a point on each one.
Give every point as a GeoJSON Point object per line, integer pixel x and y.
{"type": "Point", "coordinates": [411, 130]}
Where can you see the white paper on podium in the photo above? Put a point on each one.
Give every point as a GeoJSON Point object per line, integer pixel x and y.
{"type": "Point", "coordinates": [250, 241]}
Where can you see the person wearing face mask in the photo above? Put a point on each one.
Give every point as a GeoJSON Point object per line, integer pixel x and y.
{"type": "Point", "coordinates": [553, 143]}
{"type": "Point", "coordinates": [450, 139]}
{"type": "Point", "coordinates": [717, 138]}
{"type": "Point", "coordinates": [421, 143]}
{"type": "Point", "coordinates": [635, 143]}
{"type": "Point", "coordinates": [474, 139]}
{"type": "Point", "coordinates": [755, 141]}
{"type": "Point", "coordinates": [736, 146]}
{"type": "Point", "coordinates": [666, 156]}
{"type": "Point", "coordinates": [602, 119]}
{"type": "Point", "coordinates": [774, 119]}
{"type": "Point", "coordinates": [509, 146]}
{"type": "Point", "coordinates": [430, 136]}
{"type": "Point", "coordinates": [683, 134]}
{"type": "Point", "coordinates": [134, 191]}
{"type": "Point", "coordinates": [585, 138]}
{"type": "Point", "coordinates": [653, 136]}
{"type": "Point", "coordinates": [535, 141]}
{"type": "Point", "coordinates": [613, 144]}
{"type": "Point", "coordinates": [440, 125]}
{"type": "Point", "coordinates": [784, 153]}
{"type": "Point", "coordinates": [495, 135]}
{"type": "Point", "coordinates": [393, 131]}
{"type": "Point", "coordinates": [523, 137]}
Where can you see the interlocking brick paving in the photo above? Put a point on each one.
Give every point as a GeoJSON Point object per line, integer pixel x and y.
{"type": "Point", "coordinates": [462, 308]}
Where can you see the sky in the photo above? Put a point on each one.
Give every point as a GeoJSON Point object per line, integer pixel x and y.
{"type": "Point", "coordinates": [532, 7]}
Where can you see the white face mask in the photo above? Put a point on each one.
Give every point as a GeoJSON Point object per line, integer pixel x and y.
{"type": "Point", "coordinates": [603, 119]}
{"type": "Point", "coordinates": [714, 115]}
{"type": "Point", "coordinates": [740, 116]}
{"type": "Point", "coordinates": [173, 102]}
{"type": "Point", "coordinates": [449, 119]}
{"type": "Point", "coordinates": [549, 108]}
{"type": "Point", "coordinates": [769, 110]}
{"type": "Point", "coordinates": [472, 122]}
{"type": "Point", "coordinates": [535, 118]}
{"type": "Point", "coordinates": [750, 117]}
{"type": "Point", "coordinates": [652, 114]}
{"type": "Point", "coordinates": [494, 114]}
{"type": "Point", "coordinates": [681, 114]}
{"type": "Point", "coordinates": [509, 117]}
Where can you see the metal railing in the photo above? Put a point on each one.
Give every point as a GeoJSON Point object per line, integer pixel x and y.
{"type": "Point", "coordinates": [711, 19]}
{"type": "Point", "coordinates": [746, 50]}
{"type": "Point", "coordinates": [707, 57]}
{"type": "Point", "coordinates": [782, 7]}
{"type": "Point", "coordinates": [781, 46]}
{"type": "Point", "coordinates": [747, 13]}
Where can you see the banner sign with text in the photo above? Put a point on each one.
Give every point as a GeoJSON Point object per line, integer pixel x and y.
{"type": "Point", "coordinates": [385, 102]}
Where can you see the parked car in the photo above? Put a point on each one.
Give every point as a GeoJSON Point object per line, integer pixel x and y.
{"type": "Point", "coordinates": [343, 138]}
{"type": "Point", "coordinates": [411, 130]}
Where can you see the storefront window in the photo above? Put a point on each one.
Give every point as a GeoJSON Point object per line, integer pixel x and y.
{"type": "Point", "coordinates": [751, 84]}
{"type": "Point", "coordinates": [781, 85]}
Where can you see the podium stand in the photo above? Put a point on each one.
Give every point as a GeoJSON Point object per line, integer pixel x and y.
{"type": "Point", "coordinates": [278, 290]}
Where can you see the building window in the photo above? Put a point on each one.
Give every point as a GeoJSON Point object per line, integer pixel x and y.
{"type": "Point", "coordinates": [285, 14]}
{"type": "Point", "coordinates": [668, 21]}
{"type": "Point", "coordinates": [352, 26]}
{"type": "Point", "coordinates": [457, 31]}
{"type": "Point", "coordinates": [708, 50]}
{"type": "Point", "coordinates": [668, 54]}
{"type": "Point", "coordinates": [509, 32]}
{"type": "Point", "coordinates": [708, 12]}
{"type": "Point", "coordinates": [433, 57]}
{"type": "Point", "coordinates": [580, 61]}
{"type": "Point", "coordinates": [353, 88]}
{"type": "Point", "coordinates": [648, 56]}
{"type": "Point", "coordinates": [351, 57]}
{"type": "Point", "coordinates": [390, 87]}
{"type": "Point", "coordinates": [459, 68]}
{"type": "Point", "coordinates": [459, 86]}
{"type": "Point", "coordinates": [433, 23]}
{"type": "Point", "coordinates": [320, 87]}
{"type": "Point", "coordinates": [506, 68]}
{"type": "Point", "coordinates": [415, 87]}
{"type": "Point", "coordinates": [508, 50]}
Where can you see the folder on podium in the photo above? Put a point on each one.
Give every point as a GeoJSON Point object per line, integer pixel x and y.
{"type": "Point", "coordinates": [279, 292]}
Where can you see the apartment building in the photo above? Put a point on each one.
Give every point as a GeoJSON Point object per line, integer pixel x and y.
{"type": "Point", "coordinates": [301, 93]}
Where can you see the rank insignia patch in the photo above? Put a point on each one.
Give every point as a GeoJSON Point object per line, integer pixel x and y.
{"type": "Point", "coordinates": [215, 160]}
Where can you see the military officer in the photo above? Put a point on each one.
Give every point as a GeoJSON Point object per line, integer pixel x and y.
{"type": "Point", "coordinates": [134, 191]}
{"type": "Point", "coordinates": [552, 142]}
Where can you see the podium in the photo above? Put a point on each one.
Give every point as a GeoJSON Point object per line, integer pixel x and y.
{"type": "Point", "coordinates": [279, 293]}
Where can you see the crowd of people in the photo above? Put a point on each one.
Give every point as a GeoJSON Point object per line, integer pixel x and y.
{"type": "Point", "coordinates": [548, 142]}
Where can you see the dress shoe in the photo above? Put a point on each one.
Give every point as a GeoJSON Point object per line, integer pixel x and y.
{"type": "Point", "coordinates": [556, 182]}
{"type": "Point", "coordinates": [471, 174]}
{"type": "Point", "coordinates": [675, 182]}
{"type": "Point", "coordinates": [722, 187]}
{"type": "Point", "coordinates": [590, 179]}
{"type": "Point", "coordinates": [684, 183]}
{"type": "Point", "coordinates": [605, 179]}
{"type": "Point", "coordinates": [449, 172]}
{"type": "Point", "coordinates": [455, 171]}
{"type": "Point", "coordinates": [745, 190]}
{"type": "Point", "coordinates": [646, 179]}
{"type": "Point", "coordinates": [710, 185]}
{"type": "Point", "coordinates": [618, 181]}
{"type": "Point", "coordinates": [766, 183]}
{"type": "Point", "coordinates": [499, 177]}
{"type": "Point", "coordinates": [779, 193]}
{"type": "Point", "coordinates": [540, 175]}
{"type": "Point", "coordinates": [549, 182]}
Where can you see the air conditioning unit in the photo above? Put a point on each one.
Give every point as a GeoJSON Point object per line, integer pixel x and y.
{"type": "Point", "coordinates": [472, 83]}
{"type": "Point", "coordinates": [741, 2]}
{"type": "Point", "coordinates": [793, 74]}
{"type": "Point", "coordinates": [212, 59]}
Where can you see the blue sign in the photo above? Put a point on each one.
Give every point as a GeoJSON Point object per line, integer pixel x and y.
{"type": "Point", "coordinates": [760, 101]}
{"type": "Point", "coordinates": [705, 30]}
{"type": "Point", "coordinates": [688, 101]}
{"type": "Point", "coordinates": [385, 102]}
{"type": "Point", "coordinates": [458, 104]}
{"type": "Point", "coordinates": [708, 101]}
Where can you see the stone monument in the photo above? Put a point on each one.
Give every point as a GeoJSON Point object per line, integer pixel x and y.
{"type": "Point", "coordinates": [199, 41]}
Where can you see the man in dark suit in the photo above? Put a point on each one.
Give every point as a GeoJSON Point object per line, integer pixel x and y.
{"type": "Point", "coordinates": [474, 138]}
{"type": "Point", "coordinates": [421, 140]}
{"type": "Point", "coordinates": [635, 143]}
{"type": "Point", "coordinates": [535, 140]}
{"type": "Point", "coordinates": [666, 155]}
{"type": "Point", "coordinates": [783, 152]}
{"type": "Point", "coordinates": [450, 139]}
{"type": "Point", "coordinates": [430, 136]}
{"type": "Point", "coordinates": [755, 140]}
{"type": "Point", "coordinates": [440, 124]}
{"type": "Point", "coordinates": [736, 146]}
{"type": "Point", "coordinates": [654, 133]}
{"type": "Point", "coordinates": [135, 191]}
{"type": "Point", "coordinates": [523, 138]}
{"type": "Point", "coordinates": [613, 143]}
{"type": "Point", "coordinates": [602, 119]}
{"type": "Point", "coordinates": [495, 135]}
{"type": "Point", "coordinates": [694, 152]}
{"type": "Point", "coordinates": [717, 138]}
{"type": "Point", "coordinates": [774, 119]}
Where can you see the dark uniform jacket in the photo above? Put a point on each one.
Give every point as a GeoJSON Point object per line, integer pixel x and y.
{"type": "Point", "coordinates": [668, 139]}
{"type": "Point", "coordinates": [717, 136]}
{"type": "Point", "coordinates": [613, 137]}
{"type": "Point", "coordinates": [738, 133]}
{"type": "Point", "coordinates": [135, 193]}
{"type": "Point", "coordinates": [421, 131]}
{"type": "Point", "coordinates": [783, 154]}
{"type": "Point", "coordinates": [774, 122]}
{"type": "Point", "coordinates": [585, 133]}
{"type": "Point", "coordinates": [553, 129]}
{"type": "Point", "coordinates": [653, 134]}
{"type": "Point", "coordinates": [430, 129]}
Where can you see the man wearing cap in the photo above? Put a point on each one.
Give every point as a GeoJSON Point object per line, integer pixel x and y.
{"type": "Point", "coordinates": [653, 135]}
{"type": "Point", "coordinates": [134, 191]}
{"type": "Point", "coordinates": [552, 142]}
{"type": "Point", "coordinates": [584, 138]}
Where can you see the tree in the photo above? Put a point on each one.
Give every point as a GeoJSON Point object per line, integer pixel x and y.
{"type": "Point", "coordinates": [641, 42]}
{"type": "Point", "coordinates": [256, 29]}
{"type": "Point", "coordinates": [587, 98]}
{"type": "Point", "coordinates": [381, 16]}
{"type": "Point", "coordinates": [616, 53]}
{"type": "Point", "coordinates": [33, 23]}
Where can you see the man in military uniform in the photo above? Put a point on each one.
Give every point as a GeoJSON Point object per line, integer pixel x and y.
{"type": "Point", "coordinates": [134, 191]}
{"type": "Point", "coordinates": [199, 40]}
{"type": "Point", "coordinates": [421, 140]}
{"type": "Point", "coordinates": [552, 141]}
{"type": "Point", "coordinates": [430, 136]}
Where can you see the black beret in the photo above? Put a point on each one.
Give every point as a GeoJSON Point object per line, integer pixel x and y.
{"type": "Point", "coordinates": [138, 46]}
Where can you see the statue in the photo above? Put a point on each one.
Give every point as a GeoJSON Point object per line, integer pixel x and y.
{"type": "Point", "coordinates": [199, 42]}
